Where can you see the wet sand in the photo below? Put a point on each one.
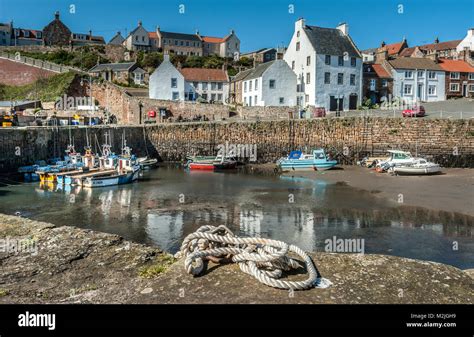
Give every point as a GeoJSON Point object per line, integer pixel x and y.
{"type": "Point", "coordinates": [451, 191]}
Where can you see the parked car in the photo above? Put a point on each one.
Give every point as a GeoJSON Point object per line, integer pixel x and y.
{"type": "Point", "coordinates": [417, 111]}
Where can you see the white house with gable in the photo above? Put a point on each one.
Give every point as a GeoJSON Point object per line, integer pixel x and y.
{"type": "Point", "coordinates": [467, 42]}
{"type": "Point", "coordinates": [167, 82]}
{"type": "Point", "coordinates": [328, 66]}
{"type": "Point", "coordinates": [270, 84]}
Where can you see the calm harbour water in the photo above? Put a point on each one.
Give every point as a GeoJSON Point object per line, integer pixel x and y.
{"type": "Point", "coordinates": [152, 211]}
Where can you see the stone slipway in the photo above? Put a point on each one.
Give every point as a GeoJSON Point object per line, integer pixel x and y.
{"type": "Point", "coordinates": [81, 266]}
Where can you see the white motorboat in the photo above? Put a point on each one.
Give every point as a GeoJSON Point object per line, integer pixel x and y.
{"type": "Point", "coordinates": [418, 167]}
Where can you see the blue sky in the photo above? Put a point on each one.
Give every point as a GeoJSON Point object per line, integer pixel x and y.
{"type": "Point", "coordinates": [258, 23]}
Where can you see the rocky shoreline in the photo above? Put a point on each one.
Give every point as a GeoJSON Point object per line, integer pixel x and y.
{"type": "Point", "coordinates": [71, 265]}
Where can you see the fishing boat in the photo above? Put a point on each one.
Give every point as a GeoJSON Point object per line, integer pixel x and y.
{"type": "Point", "coordinates": [299, 161]}
{"type": "Point", "coordinates": [418, 167]}
{"type": "Point", "coordinates": [127, 171]}
{"type": "Point", "coordinates": [211, 163]}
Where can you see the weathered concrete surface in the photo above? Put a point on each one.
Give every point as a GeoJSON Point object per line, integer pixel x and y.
{"type": "Point", "coordinates": [79, 266]}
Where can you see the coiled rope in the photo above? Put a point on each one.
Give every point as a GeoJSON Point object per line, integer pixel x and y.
{"type": "Point", "coordinates": [264, 259]}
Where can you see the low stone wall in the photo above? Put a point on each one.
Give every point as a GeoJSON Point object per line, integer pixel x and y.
{"type": "Point", "coordinates": [131, 109]}
{"type": "Point", "coordinates": [448, 142]}
{"type": "Point", "coordinates": [271, 112]}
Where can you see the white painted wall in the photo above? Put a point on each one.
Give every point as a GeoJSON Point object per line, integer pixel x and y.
{"type": "Point", "coordinates": [199, 89]}
{"type": "Point", "coordinates": [319, 93]}
{"type": "Point", "coordinates": [285, 87]}
{"type": "Point", "coordinates": [325, 91]}
{"type": "Point", "coordinates": [467, 42]}
{"type": "Point", "coordinates": [399, 81]}
{"type": "Point", "coordinates": [160, 81]}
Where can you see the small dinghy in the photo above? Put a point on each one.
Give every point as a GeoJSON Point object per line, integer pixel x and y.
{"type": "Point", "coordinates": [419, 167]}
{"type": "Point", "coordinates": [147, 163]}
{"type": "Point", "coordinates": [212, 163]}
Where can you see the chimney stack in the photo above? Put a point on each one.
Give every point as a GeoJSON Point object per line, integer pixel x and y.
{"type": "Point", "coordinates": [300, 24]}
{"type": "Point", "coordinates": [344, 28]}
{"type": "Point", "coordinates": [56, 15]}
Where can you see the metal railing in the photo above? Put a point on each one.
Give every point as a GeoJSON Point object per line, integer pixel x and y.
{"type": "Point", "coordinates": [46, 65]}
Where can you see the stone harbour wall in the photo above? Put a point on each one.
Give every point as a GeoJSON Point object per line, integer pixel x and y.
{"type": "Point", "coordinates": [448, 142]}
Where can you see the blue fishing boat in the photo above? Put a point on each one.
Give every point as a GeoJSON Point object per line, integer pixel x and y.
{"type": "Point", "coordinates": [299, 161]}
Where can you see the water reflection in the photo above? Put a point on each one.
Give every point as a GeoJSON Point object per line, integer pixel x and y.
{"type": "Point", "coordinates": [297, 210]}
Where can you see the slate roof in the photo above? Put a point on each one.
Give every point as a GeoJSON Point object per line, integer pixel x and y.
{"type": "Point", "coordinates": [330, 41]}
{"type": "Point", "coordinates": [204, 74]}
{"type": "Point", "coordinates": [259, 70]}
{"type": "Point", "coordinates": [179, 36]}
{"type": "Point", "coordinates": [241, 75]}
{"type": "Point", "coordinates": [415, 63]}
{"type": "Point", "coordinates": [112, 66]}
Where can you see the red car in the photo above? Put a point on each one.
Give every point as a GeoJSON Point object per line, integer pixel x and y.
{"type": "Point", "coordinates": [418, 111]}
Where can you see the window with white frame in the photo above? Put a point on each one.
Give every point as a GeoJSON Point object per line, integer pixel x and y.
{"type": "Point", "coordinates": [308, 60]}
{"type": "Point", "coordinates": [454, 87]}
{"type": "Point", "coordinates": [420, 73]}
{"type": "Point", "coordinates": [255, 99]}
{"type": "Point", "coordinates": [471, 76]}
{"type": "Point", "coordinates": [292, 65]}
{"type": "Point", "coordinates": [340, 78]}
{"type": "Point", "coordinates": [372, 83]}
{"type": "Point", "coordinates": [250, 85]}
{"type": "Point", "coordinates": [408, 74]}
{"type": "Point", "coordinates": [213, 85]}
{"type": "Point", "coordinates": [384, 83]}
{"type": "Point", "coordinates": [175, 96]}
{"type": "Point", "coordinates": [471, 87]}
{"type": "Point", "coordinates": [219, 86]}
{"type": "Point", "coordinates": [245, 86]}
{"type": "Point", "coordinates": [308, 78]}
{"type": "Point", "coordinates": [454, 75]}
{"type": "Point", "coordinates": [256, 84]}
{"type": "Point", "coordinates": [432, 75]}
{"type": "Point", "coordinates": [432, 90]}
{"type": "Point", "coordinates": [297, 46]}
{"type": "Point", "coordinates": [407, 89]}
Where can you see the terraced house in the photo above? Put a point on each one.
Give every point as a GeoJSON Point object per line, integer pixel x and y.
{"type": "Point", "coordinates": [328, 66]}
{"type": "Point", "coordinates": [417, 79]}
{"type": "Point", "coordinates": [188, 84]}
{"type": "Point", "coordinates": [459, 78]}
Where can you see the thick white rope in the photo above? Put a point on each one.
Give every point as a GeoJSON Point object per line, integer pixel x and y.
{"type": "Point", "coordinates": [265, 259]}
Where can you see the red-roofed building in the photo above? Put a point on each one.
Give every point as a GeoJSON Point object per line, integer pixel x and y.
{"type": "Point", "coordinates": [377, 82]}
{"type": "Point", "coordinates": [210, 85]}
{"type": "Point", "coordinates": [227, 46]}
{"type": "Point", "coordinates": [445, 49]}
{"type": "Point", "coordinates": [189, 84]}
{"type": "Point", "coordinates": [385, 51]}
{"type": "Point", "coordinates": [459, 78]}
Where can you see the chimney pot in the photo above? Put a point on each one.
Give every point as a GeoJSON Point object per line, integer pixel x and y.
{"type": "Point", "coordinates": [56, 15]}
